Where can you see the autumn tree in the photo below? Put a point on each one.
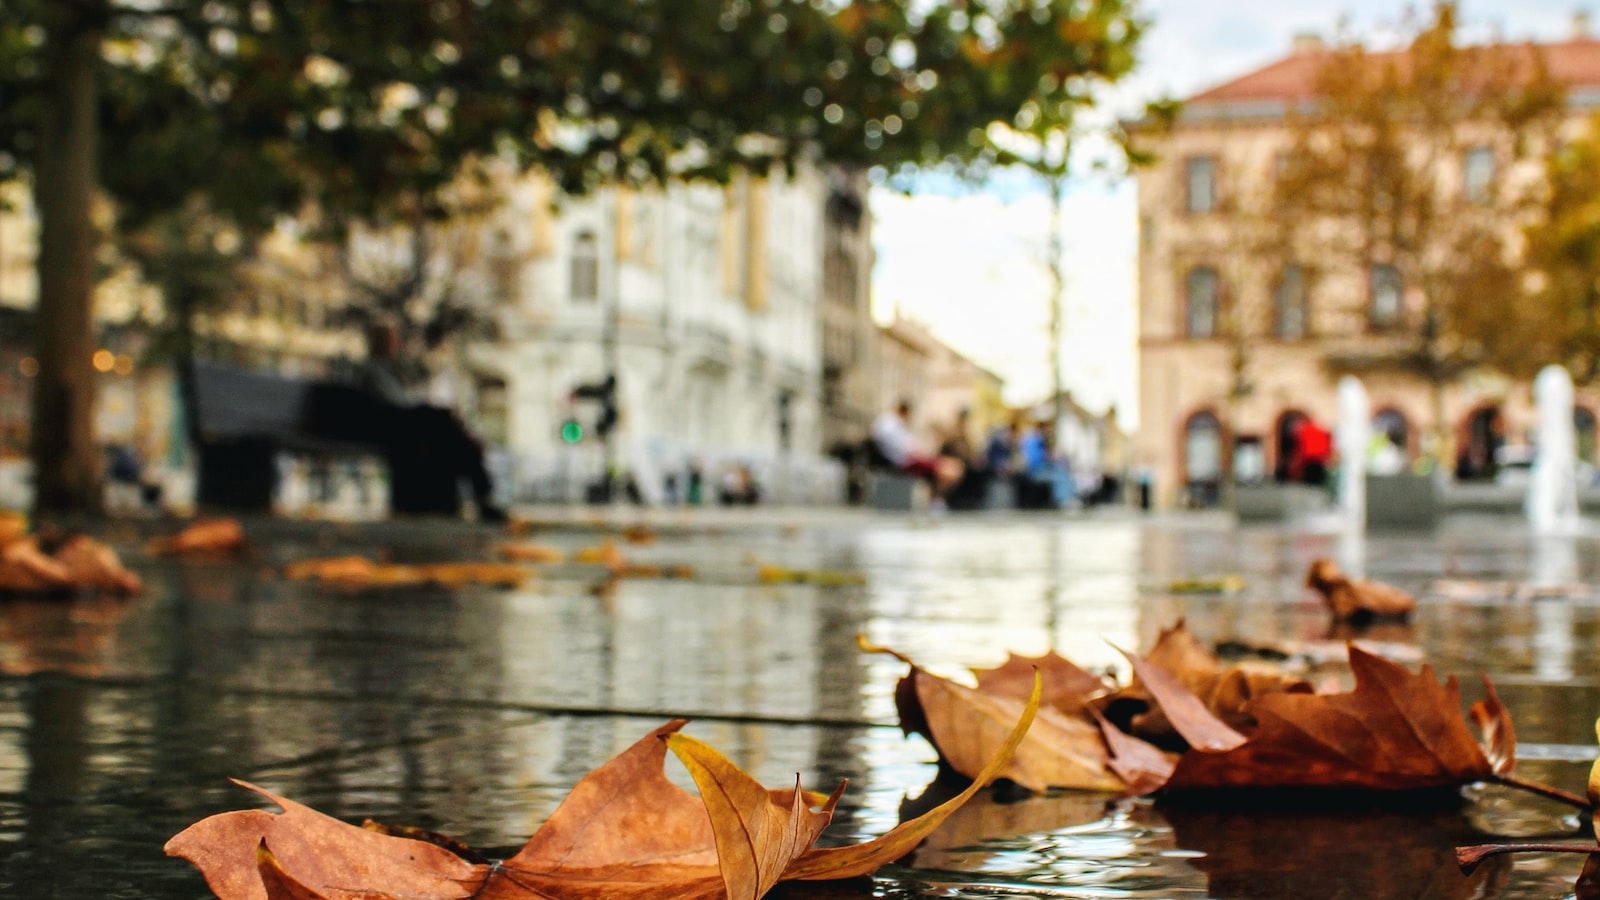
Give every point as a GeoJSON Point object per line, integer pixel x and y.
{"type": "Point", "coordinates": [1402, 178]}
{"type": "Point", "coordinates": [249, 109]}
{"type": "Point", "coordinates": [1562, 306]}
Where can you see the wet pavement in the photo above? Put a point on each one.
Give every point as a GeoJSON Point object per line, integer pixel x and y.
{"type": "Point", "coordinates": [472, 711]}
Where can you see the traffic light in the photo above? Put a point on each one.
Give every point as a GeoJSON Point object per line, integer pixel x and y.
{"type": "Point", "coordinates": [604, 391]}
{"type": "Point", "coordinates": [571, 431]}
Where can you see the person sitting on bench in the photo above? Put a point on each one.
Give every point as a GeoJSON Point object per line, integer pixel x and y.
{"type": "Point", "coordinates": [891, 435]}
{"type": "Point", "coordinates": [406, 423]}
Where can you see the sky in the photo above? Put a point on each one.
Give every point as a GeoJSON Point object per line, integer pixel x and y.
{"type": "Point", "coordinates": [971, 265]}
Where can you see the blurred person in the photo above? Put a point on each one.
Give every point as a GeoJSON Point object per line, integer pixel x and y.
{"type": "Point", "coordinates": [892, 437]}
{"type": "Point", "coordinates": [1313, 451]}
{"type": "Point", "coordinates": [408, 427]}
{"type": "Point", "coordinates": [1000, 451]}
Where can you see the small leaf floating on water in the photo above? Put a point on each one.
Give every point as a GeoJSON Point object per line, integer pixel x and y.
{"type": "Point", "coordinates": [1357, 601]}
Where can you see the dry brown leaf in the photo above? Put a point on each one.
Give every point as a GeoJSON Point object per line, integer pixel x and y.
{"type": "Point", "coordinates": [13, 525]}
{"type": "Point", "coordinates": [1066, 687]}
{"type": "Point", "coordinates": [862, 859]}
{"type": "Point", "coordinates": [360, 573]}
{"type": "Point", "coordinates": [603, 554]}
{"type": "Point", "coordinates": [1224, 691]}
{"type": "Point", "coordinates": [1396, 731]}
{"type": "Point", "coordinates": [966, 725]}
{"type": "Point", "coordinates": [207, 537]}
{"type": "Point", "coordinates": [93, 565]}
{"type": "Point", "coordinates": [768, 573]}
{"type": "Point", "coordinates": [1357, 601]}
{"type": "Point", "coordinates": [625, 830]}
{"type": "Point", "coordinates": [26, 569]}
{"type": "Point", "coordinates": [639, 534]}
{"type": "Point", "coordinates": [531, 552]}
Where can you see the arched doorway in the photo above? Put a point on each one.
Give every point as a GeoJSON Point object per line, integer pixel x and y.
{"type": "Point", "coordinates": [1392, 424]}
{"type": "Point", "coordinates": [1283, 433]}
{"type": "Point", "coordinates": [1483, 434]}
{"type": "Point", "coordinates": [1202, 460]}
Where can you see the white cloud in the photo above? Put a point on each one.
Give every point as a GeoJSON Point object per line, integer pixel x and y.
{"type": "Point", "coordinates": [973, 268]}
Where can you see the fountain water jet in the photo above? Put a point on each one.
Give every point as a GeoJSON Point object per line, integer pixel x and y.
{"type": "Point", "coordinates": [1352, 435]}
{"type": "Point", "coordinates": [1552, 504]}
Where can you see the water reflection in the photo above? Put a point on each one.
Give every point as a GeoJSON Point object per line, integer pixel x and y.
{"type": "Point", "coordinates": [1370, 853]}
{"type": "Point", "coordinates": [472, 712]}
{"type": "Point", "coordinates": [75, 636]}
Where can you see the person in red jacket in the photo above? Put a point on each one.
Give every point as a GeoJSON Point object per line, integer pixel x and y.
{"type": "Point", "coordinates": [1313, 452]}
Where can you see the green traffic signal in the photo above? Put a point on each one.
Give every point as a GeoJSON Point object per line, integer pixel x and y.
{"type": "Point", "coordinates": [571, 431]}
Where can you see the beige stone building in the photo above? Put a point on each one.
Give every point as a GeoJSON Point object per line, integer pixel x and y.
{"type": "Point", "coordinates": [1196, 415]}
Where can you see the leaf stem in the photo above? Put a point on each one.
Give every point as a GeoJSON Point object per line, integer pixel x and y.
{"type": "Point", "coordinates": [1544, 790]}
{"type": "Point", "coordinates": [1468, 858]}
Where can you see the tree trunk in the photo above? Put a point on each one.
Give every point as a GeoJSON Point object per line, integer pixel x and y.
{"type": "Point", "coordinates": [66, 460]}
{"type": "Point", "coordinates": [1057, 284]}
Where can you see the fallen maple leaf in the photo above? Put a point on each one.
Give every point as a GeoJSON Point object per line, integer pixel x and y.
{"type": "Point", "coordinates": [623, 831]}
{"type": "Point", "coordinates": [965, 724]}
{"type": "Point", "coordinates": [1066, 686]}
{"type": "Point", "coordinates": [207, 537]}
{"type": "Point", "coordinates": [1357, 601]}
{"type": "Point", "coordinates": [1395, 731]}
{"type": "Point", "coordinates": [1225, 691]}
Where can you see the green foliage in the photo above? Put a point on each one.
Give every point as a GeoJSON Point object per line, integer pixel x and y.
{"type": "Point", "coordinates": [1376, 174]}
{"type": "Point", "coordinates": [367, 110]}
{"type": "Point", "coordinates": [1563, 250]}
{"type": "Point", "coordinates": [363, 105]}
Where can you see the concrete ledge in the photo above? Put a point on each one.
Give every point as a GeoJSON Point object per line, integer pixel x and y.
{"type": "Point", "coordinates": [1277, 502]}
{"type": "Point", "coordinates": [896, 492]}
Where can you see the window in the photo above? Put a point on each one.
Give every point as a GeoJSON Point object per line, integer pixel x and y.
{"type": "Point", "coordinates": [1202, 459]}
{"type": "Point", "coordinates": [1289, 304]}
{"type": "Point", "coordinates": [1201, 177]}
{"type": "Point", "coordinates": [1387, 295]}
{"type": "Point", "coordinates": [1477, 178]}
{"type": "Point", "coordinates": [585, 267]}
{"type": "Point", "coordinates": [1200, 315]}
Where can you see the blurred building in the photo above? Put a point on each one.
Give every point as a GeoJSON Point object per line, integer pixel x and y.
{"type": "Point", "coordinates": [702, 301]}
{"type": "Point", "coordinates": [1195, 413]}
{"type": "Point", "coordinates": [939, 382]}
{"type": "Point", "coordinates": [849, 335]}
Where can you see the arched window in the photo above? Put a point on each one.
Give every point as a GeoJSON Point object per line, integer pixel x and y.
{"type": "Point", "coordinates": [585, 267]}
{"type": "Point", "coordinates": [1202, 459]}
{"type": "Point", "coordinates": [1200, 314]}
{"type": "Point", "coordinates": [1290, 316]}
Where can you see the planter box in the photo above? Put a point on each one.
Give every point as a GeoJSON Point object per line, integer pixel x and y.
{"type": "Point", "coordinates": [1402, 501]}
{"type": "Point", "coordinates": [1277, 502]}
